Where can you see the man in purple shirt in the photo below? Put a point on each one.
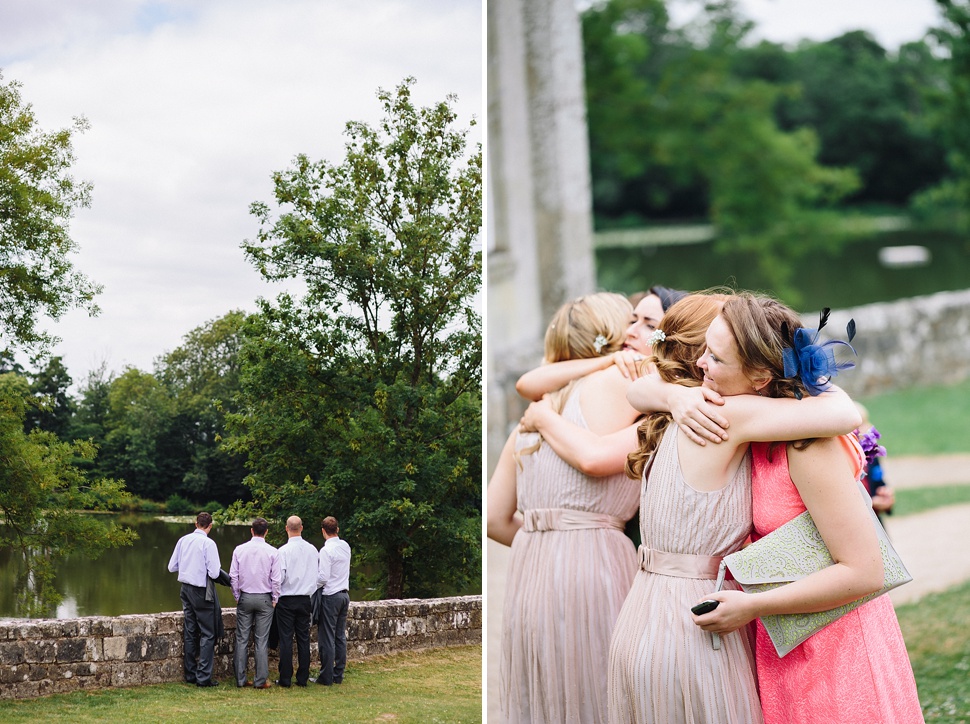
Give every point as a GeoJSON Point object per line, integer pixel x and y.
{"type": "Point", "coordinates": [255, 580]}
{"type": "Point", "coordinates": [196, 559]}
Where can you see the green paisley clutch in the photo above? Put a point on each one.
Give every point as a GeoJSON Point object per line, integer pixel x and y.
{"type": "Point", "coordinates": [793, 551]}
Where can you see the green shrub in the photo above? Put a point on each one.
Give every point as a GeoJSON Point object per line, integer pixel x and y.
{"type": "Point", "coordinates": [177, 505]}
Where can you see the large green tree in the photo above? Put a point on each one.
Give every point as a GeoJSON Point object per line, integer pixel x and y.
{"type": "Point", "coordinates": [41, 494]}
{"type": "Point", "coordinates": [38, 196]}
{"type": "Point", "coordinates": [41, 488]}
{"type": "Point", "coordinates": [363, 398]}
{"type": "Point", "coordinates": [949, 202]}
{"type": "Point", "coordinates": [202, 376]}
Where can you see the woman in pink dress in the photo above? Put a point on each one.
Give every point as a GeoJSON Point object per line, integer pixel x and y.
{"type": "Point", "coordinates": [855, 670]}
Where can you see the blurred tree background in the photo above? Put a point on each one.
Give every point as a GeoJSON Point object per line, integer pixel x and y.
{"type": "Point", "coordinates": [786, 151]}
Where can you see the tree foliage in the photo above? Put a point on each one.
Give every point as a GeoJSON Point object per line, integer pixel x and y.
{"type": "Point", "coordinates": [668, 114]}
{"type": "Point", "coordinates": [949, 201]}
{"type": "Point", "coordinates": [363, 398]}
{"type": "Point", "coordinates": [37, 198]}
{"type": "Point", "coordinates": [41, 494]}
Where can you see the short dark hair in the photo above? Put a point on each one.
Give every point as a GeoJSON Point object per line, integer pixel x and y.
{"type": "Point", "coordinates": [668, 297]}
{"type": "Point", "coordinates": [260, 526]}
{"type": "Point", "coordinates": [203, 520]}
{"type": "Point", "coordinates": [329, 524]}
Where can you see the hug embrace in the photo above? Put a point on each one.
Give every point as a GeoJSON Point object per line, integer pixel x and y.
{"type": "Point", "coordinates": [736, 430]}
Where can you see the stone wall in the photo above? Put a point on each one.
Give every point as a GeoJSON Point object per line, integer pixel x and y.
{"type": "Point", "coordinates": [40, 657]}
{"type": "Point", "coordinates": [914, 342]}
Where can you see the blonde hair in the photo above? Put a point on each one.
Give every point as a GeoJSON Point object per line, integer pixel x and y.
{"type": "Point", "coordinates": [675, 358]}
{"type": "Point", "coordinates": [593, 325]}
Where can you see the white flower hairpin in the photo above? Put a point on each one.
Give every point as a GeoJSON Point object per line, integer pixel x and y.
{"type": "Point", "coordinates": [599, 343]}
{"type": "Point", "coordinates": [657, 336]}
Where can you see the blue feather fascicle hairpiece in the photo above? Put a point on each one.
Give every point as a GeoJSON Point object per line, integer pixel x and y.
{"type": "Point", "coordinates": [815, 363]}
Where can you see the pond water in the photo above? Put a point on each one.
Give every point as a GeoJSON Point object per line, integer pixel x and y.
{"type": "Point", "coordinates": [853, 277]}
{"type": "Point", "coordinates": [134, 579]}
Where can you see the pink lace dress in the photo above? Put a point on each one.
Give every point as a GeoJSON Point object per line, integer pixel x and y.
{"type": "Point", "coordinates": [855, 670]}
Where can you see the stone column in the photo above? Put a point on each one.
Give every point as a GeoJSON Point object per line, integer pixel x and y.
{"type": "Point", "coordinates": [539, 205]}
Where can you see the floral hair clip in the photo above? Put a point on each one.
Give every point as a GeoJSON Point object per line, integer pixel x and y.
{"type": "Point", "coordinates": [815, 363]}
{"type": "Point", "coordinates": [599, 343]}
{"type": "Point", "coordinates": [657, 336]}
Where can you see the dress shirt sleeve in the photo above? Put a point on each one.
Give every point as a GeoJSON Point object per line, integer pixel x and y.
{"type": "Point", "coordinates": [234, 576]}
{"type": "Point", "coordinates": [276, 575]}
{"type": "Point", "coordinates": [173, 562]}
{"type": "Point", "coordinates": [212, 563]}
{"type": "Point", "coordinates": [323, 568]}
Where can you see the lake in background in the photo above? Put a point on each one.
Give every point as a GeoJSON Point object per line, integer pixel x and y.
{"type": "Point", "coordinates": [851, 278]}
{"type": "Point", "coordinates": [133, 579]}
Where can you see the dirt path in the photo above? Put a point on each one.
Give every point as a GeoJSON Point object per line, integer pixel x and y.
{"type": "Point", "coordinates": [931, 544]}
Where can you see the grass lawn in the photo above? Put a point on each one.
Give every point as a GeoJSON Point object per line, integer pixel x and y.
{"type": "Point", "coordinates": [937, 634]}
{"type": "Point", "coordinates": [923, 420]}
{"type": "Point", "coordinates": [443, 685]}
{"type": "Point", "coordinates": [916, 500]}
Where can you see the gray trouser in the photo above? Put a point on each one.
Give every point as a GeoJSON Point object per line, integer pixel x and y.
{"type": "Point", "coordinates": [332, 638]}
{"type": "Point", "coordinates": [253, 608]}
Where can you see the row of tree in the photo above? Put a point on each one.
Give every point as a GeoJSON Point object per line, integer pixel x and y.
{"type": "Point", "coordinates": [771, 144]}
{"type": "Point", "coordinates": [360, 399]}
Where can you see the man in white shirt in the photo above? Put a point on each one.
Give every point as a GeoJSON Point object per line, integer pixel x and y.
{"type": "Point", "coordinates": [196, 559]}
{"type": "Point", "coordinates": [333, 577]}
{"type": "Point", "coordinates": [298, 565]}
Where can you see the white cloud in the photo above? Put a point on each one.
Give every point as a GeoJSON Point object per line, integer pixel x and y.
{"type": "Point", "coordinates": [192, 107]}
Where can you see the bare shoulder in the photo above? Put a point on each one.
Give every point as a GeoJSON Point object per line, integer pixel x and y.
{"type": "Point", "coordinates": [827, 454]}
{"type": "Point", "coordinates": [606, 390]}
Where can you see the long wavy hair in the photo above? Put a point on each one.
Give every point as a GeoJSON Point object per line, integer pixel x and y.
{"type": "Point", "coordinates": [675, 358]}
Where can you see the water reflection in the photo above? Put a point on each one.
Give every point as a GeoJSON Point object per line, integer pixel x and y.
{"type": "Point", "coordinates": [126, 580]}
{"type": "Point", "coordinates": [850, 278]}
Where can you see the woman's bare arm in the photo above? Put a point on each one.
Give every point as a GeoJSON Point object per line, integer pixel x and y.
{"type": "Point", "coordinates": [502, 521]}
{"type": "Point", "coordinates": [551, 377]}
{"type": "Point", "coordinates": [824, 478]}
{"type": "Point", "coordinates": [588, 452]}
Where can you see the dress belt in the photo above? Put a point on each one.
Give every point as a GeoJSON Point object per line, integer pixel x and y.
{"type": "Point", "coordinates": [542, 519]}
{"type": "Point", "coordinates": [681, 565]}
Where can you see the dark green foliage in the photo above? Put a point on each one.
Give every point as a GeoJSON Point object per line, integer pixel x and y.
{"type": "Point", "coordinates": [55, 408]}
{"type": "Point", "coordinates": [949, 202]}
{"type": "Point", "coordinates": [41, 492]}
{"type": "Point", "coordinates": [177, 505]}
{"type": "Point", "coordinates": [670, 120]}
{"type": "Point", "coordinates": [363, 399]}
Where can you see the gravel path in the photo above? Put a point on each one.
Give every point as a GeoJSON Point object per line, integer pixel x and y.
{"type": "Point", "coordinates": [926, 542]}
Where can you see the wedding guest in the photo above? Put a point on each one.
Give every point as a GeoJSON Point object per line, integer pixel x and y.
{"type": "Point", "coordinates": [196, 559]}
{"type": "Point", "coordinates": [298, 572]}
{"type": "Point", "coordinates": [571, 564]}
{"type": "Point", "coordinates": [255, 579]}
{"type": "Point", "coordinates": [333, 576]}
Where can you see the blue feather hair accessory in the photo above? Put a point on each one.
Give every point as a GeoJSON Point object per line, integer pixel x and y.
{"type": "Point", "coordinates": [815, 363]}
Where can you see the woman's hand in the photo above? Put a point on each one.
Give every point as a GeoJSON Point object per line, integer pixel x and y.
{"type": "Point", "coordinates": [694, 409]}
{"type": "Point", "coordinates": [627, 362]}
{"type": "Point", "coordinates": [734, 610]}
{"type": "Point", "coordinates": [532, 417]}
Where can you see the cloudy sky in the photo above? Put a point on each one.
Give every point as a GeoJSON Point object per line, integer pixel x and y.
{"type": "Point", "coordinates": [892, 22]}
{"type": "Point", "coordinates": [192, 106]}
